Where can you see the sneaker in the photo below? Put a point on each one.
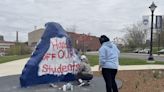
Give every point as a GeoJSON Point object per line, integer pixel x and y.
{"type": "Point", "coordinates": [80, 80]}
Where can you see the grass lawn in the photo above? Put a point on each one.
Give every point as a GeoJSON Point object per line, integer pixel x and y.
{"type": "Point", "coordinates": [4, 59]}
{"type": "Point", "coordinates": [93, 59]}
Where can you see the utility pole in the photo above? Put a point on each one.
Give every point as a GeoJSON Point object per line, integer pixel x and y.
{"type": "Point", "coordinates": [17, 37]}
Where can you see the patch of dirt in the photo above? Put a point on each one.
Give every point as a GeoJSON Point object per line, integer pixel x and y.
{"type": "Point", "coordinates": [141, 80]}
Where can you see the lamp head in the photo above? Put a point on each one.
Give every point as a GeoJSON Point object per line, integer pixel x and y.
{"type": "Point", "coordinates": [152, 7]}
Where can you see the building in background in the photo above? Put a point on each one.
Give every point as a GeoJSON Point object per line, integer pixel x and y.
{"type": "Point", "coordinates": [1, 38]}
{"type": "Point", "coordinates": [4, 45]}
{"type": "Point", "coordinates": [34, 36]}
{"type": "Point", "coordinates": [82, 42]}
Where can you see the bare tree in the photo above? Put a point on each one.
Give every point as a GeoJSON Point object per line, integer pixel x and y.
{"type": "Point", "coordinates": [159, 38]}
{"type": "Point", "coordinates": [135, 36]}
{"type": "Point", "coordinates": [162, 34]}
{"type": "Point", "coordinates": [71, 30]}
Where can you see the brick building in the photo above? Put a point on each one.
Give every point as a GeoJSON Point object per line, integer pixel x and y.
{"type": "Point", "coordinates": [81, 42]}
{"type": "Point", "coordinates": [84, 42]}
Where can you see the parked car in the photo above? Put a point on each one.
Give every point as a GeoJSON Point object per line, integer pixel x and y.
{"type": "Point", "coordinates": [161, 51]}
{"type": "Point", "coordinates": [146, 51]}
{"type": "Point", "coordinates": [137, 50]}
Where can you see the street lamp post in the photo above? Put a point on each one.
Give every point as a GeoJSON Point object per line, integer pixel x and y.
{"type": "Point", "coordinates": [152, 8]}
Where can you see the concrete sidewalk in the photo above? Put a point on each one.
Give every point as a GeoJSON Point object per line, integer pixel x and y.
{"type": "Point", "coordinates": [16, 67]}
{"type": "Point", "coordinates": [134, 67]}
{"type": "Point", "coordinates": [13, 67]}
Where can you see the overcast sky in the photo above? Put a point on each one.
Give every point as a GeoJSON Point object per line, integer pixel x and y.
{"type": "Point", "coordinates": [88, 16]}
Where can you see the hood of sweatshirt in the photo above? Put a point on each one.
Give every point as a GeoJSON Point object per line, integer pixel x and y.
{"type": "Point", "coordinates": [108, 44]}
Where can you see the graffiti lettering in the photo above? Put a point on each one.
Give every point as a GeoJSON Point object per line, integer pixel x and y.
{"type": "Point", "coordinates": [49, 69]}
{"type": "Point", "coordinates": [61, 54]}
{"type": "Point", "coordinates": [58, 44]}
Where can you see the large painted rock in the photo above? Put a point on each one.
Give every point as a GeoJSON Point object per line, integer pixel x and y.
{"type": "Point", "coordinates": [53, 60]}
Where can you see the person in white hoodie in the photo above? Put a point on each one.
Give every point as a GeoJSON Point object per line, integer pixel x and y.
{"type": "Point", "coordinates": [108, 62]}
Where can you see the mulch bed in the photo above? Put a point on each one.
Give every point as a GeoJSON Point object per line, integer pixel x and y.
{"type": "Point", "coordinates": [140, 80]}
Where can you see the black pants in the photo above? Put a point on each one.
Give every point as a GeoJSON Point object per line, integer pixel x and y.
{"type": "Point", "coordinates": [109, 77]}
{"type": "Point", "coordinates": [86, 77]}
